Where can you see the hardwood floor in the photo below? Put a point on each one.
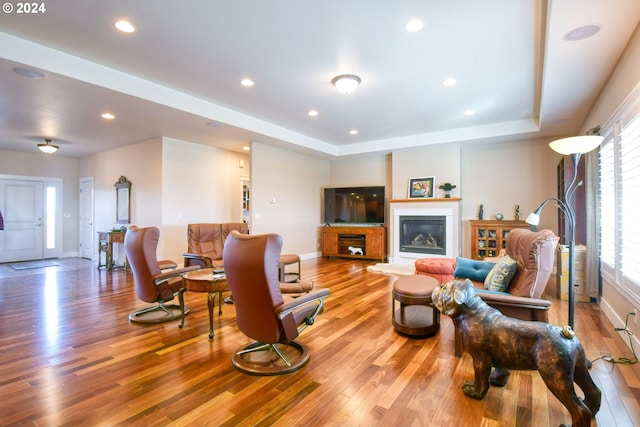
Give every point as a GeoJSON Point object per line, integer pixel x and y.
{"type": "Point", "coordinates": [69, 356]}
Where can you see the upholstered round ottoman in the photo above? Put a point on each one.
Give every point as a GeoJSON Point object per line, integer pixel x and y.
{"type": "Point", "coordinates": [440, 269]}
{"type": "Point", "coordinates": [416, 315]}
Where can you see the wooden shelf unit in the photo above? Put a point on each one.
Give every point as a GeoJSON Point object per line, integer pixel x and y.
{"type": "Point", "coordinates": [336, 241]}
{"type": "Point", "coordinates": [488, 238]}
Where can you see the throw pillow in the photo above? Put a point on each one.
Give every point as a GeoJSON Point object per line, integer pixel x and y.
{"type": "Point", "coordinates": [501, 274]}
{"type": "Point", "coordinates": [472, 269]}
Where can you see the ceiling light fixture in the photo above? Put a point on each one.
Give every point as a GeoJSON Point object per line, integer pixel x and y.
{"type": "Point", "coordinates": [28, 72]}
{"type": "Point", "coordinates": [413, 26]}
{"type": "Point", "coordinates": [48, 148]}
{"type": "Point", "coordinates": [124, 26]}
{"type": "Point", "coordinates": [353, 132]}
{"type": "Point", "coordinates": [582, 33]}
{"type": "Point", "coordinates": [450, 81]}
{"type": "Point", "coordinates": [108, 116]}
{"type": "Point", "coordinates": [469, 112]}
{"type": "Point", "coordinates": [346, 83]}
{"type": "Point", "coordinates": [313, 113]}
{"type": "Point", "coordinates": [246, 82]}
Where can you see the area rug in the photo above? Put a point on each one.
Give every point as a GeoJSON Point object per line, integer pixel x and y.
{"type": "Point", "coordinates": [396, 269]}
{"type": "Point", "coordinates": [32, 264]}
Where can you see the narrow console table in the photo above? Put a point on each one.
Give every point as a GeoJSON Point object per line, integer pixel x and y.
{"type": "Point", "coordinates": [106, 240]}
{"type": "Point", "coordinates": [354, 242]}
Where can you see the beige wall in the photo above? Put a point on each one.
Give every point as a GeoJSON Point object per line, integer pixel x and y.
{"type": "Point", "coordinates": [141, 164]}
{"type": "Point", "coordinates": [199, 184]}
{"type": "Point", "coordinates": [174, 183]}
{"type": "Point", "coordinates": [502, 175]}
{"type": "Point", "coordinates": [441, 161]}
{"type": "Point", "coordinates": [294, 181]}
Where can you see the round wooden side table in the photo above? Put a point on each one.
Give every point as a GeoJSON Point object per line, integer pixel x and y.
{"type": "Point", "coordinates": [416, 315]}
{"type": "Point", "coordinates": [205, 280]}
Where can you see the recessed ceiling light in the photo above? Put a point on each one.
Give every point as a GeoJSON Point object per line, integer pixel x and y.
{"type": "Point", "coordinates": [414, 25]}
{"type": "Point", "coordinates": [582, 33]}
{"type": "Point", "coordinates": [246, 82]}
{"type": "Point", "coordinates": [28, 72]}
{"type": "Point", "coordinates": [214, 124]}
{"type": "Point", "coordinates": [246, 148]}
{"type": "Point", "coordinates": [124, 26]}
{"type": "Point", "coordinates": [313, 113]}
{"type": "Point", "coordinates": [353, 132]}
{"type": "Point", "coordinates": [469, 112]}
{"type": "Point", "coordinates": [108, 116]}
{"type": "Point", "coordinates": [450, 81]}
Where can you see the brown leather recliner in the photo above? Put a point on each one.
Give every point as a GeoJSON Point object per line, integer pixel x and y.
{"type": "Point", "coordinates": [263, 313]}
{"type": "Point", "coordinates": [205, 243]}
{"type": "Point", "coordinates": [151, 283]}
{"type": "Point", "coordinates": [534, 253]}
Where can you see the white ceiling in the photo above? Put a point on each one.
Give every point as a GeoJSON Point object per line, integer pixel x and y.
{"type": "Point", "coordinates": [182, 69]}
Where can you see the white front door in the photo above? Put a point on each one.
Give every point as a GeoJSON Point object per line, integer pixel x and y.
{"type": "Point", "coordinates": [86, 218]}
{"type": "Point", "coordinates": [22, 213]}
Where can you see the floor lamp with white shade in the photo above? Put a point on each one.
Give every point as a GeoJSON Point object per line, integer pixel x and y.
{"type": "Point", "coordinates": [574, 146]}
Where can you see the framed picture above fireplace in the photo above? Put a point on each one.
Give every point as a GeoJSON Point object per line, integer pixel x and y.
{"type": "Point", "coordinates": [421, 188]}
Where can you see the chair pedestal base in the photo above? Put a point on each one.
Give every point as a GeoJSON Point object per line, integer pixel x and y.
{"type": "Point", "coordinates": [263, 359]}
{"type": "Point", "coordinates": [158, 313]}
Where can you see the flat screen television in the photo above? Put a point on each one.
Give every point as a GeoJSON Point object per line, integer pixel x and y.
{"type": "Point", "coordinates": [354, 205]}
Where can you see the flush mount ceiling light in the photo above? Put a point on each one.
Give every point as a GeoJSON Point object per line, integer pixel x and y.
{"type": "Point", "coordinates": [413, 26]}
{"type": "Point", "coordinates": [450, 81]}
{"type": "Point", "coordinates": [582, 33]}
{"type": "Point", "coordinates": [28, 73]}
{"type": "Point", "coordinates": [48, 147]}
{"type": "Point", "coordinates": [346, 83]}
{"type": "Point", "coordinates": [125, 26]}
{"type": "Point", "coordinates": [247, 82]}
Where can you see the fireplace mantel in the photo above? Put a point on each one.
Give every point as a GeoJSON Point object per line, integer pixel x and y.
{"type": "Point", "coordinates": [426, 199]}
{"type": "Point", "coordinates": [449, 207]}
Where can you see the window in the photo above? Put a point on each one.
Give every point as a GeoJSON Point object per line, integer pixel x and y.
{"type": "Point", "coordinates": [619, 191]}
{"type": "Point", "coordinates": [50, 217]}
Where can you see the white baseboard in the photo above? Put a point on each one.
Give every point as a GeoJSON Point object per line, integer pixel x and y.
{"type": "Point", "coordinates": [618, 323]}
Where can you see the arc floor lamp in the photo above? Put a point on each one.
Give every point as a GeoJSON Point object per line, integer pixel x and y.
{"type": "Point", "coordinates": [574, 146]}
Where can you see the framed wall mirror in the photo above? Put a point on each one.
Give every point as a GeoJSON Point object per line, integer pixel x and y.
{"type": "Point", "coordinates": [123, 200]}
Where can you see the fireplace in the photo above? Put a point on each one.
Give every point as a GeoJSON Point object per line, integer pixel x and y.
{"type": "Point", "coordinates": [419, 232]}
{"type": "Point", "coordinates": [423, 234]}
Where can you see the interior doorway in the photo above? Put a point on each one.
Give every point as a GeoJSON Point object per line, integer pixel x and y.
{"type": "Point", "coordinates": [86, 218]}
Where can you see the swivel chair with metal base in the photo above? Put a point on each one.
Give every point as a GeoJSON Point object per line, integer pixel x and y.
{"type": "Point", "coordinates": [263, 313]}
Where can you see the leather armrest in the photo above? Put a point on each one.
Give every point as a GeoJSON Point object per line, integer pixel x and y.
{"type": "Point", "coordinates": [292, 303]}
{"type": "Point", "coordinates": [514, 301]}
{"type": "Point", "coordinates": [296, 287]}
{"type": "Point", "coordinates": [195, 259]}
{"type": "Point", "coordinates": [173, 273]}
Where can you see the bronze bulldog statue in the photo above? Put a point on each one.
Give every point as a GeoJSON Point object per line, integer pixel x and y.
{"type": "Point", "coordinates": [493, 339]}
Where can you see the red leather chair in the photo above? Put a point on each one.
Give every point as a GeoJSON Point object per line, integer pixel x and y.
{"type": "Point", "coordinates": [534, 253]}
{"type": "Point", "coordinates": [151, 283]}
{"type": "Point", "coordinates": [263, 313]}
{"type": "Point", "coordinates": [205, 243]}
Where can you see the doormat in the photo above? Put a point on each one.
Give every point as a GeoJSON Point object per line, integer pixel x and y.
{"type": "Point", "coordinates": [32, 264]}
